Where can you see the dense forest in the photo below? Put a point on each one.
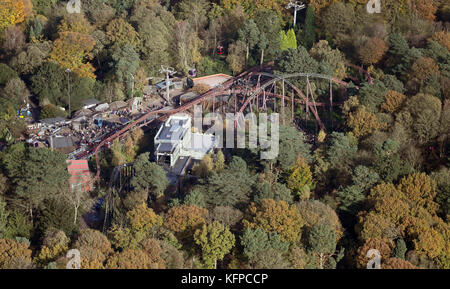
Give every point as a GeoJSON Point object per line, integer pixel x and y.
{"type": "Point", "coordinates": [377, 177]}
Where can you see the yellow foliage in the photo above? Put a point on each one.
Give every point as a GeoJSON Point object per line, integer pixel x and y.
{"type": "Point", "coordinates": [363, 122]}
{"type": "Point", "coordinates": [50, 253]}
{"type": "Point", "coordinates": [277, 217]}
{"type": "Point", "coordinates": [382, 245]}
{"type": "Point", "coordinates": [71, 50]}
{"type": "Point", "coordinates": [301, 182]}
{"type": "Point", "coordinates": [393, 101]}
{"type": "Point", "coordinates": [321, 137]}
{"type": "Point", "coordinates": [142, 218]}
{"type": "Point", "coordinates": [11, 13]}
{"type": "Point", "coordinates": [443, 38]}
{"type": "Point", "coordinates": [11, 250]}
{"type": "Point", "coordinates": [420, 189]}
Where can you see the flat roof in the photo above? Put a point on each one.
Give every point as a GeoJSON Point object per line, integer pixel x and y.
{"type": "Point", "coordinates": [173, 131]}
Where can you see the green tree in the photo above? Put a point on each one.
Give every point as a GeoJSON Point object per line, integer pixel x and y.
{"type": "Point", "coordinates": [255, 241]}
{"type": "Point", "coordinates": [342, 149]}
{"type": "Point", "coordinates": [215, 241]}
{"type": "Point", "coordinates": [309, 33]}
{"type": "Point", "coordinates": [400, 249]}
{"type": "Point", "coordinates": [292, 145]}
{"type": "Point", "coordinates": [249, 34]}
{"type": "Point", "coordinates": [269, 25]}
{"type": "Point", "coordinates": [322, 243]}
{"type": "Point", "coordinates": [155, 27]}
{"type": "Point", "coordinates": [149, 176]}
{"type": "Point", "coordinates": [232, 187]}
{"type": "Point", "coordinates": [388, 163]}
{"type": "Point", "coordinates": [276, 191]}
{"type": "Point", "coordinates": [6, 73]}
{"type": "Point", "coordinates": [321, 51]}
{"type": "Point", "coordinates": [41, 175]}
{"type": "Point", "coordinates": [126, 62]}
{"type": "Point", "coordinates": [195, 198]}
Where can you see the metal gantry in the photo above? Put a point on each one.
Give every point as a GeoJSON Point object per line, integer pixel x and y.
{"type": "Point", "coordinates": [297, 7]}
{"type": "Point", "coordinates": [168, 71]}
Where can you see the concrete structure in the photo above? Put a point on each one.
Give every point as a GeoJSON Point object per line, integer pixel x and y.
{"type": "Point", "coordinates": [175, 142]}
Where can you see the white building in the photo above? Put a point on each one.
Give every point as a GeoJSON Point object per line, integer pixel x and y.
{"type": "Point", "coordinates": [175, 141]}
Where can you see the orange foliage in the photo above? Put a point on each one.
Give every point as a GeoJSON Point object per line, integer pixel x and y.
{"type": "Point", "coordinates": [443, 38]}
{"type": "Point", "coordinates": [372, 51]}
{"type": "Point", "coordinates": [277, 217]}
{"type": "Point", "coordinates": [11, 13]}
{"type": "Point", "coordinates": [393, 101]}
{"type": "Point", "coordinates": [71, 50]}
{"type": "Point", "coordinates": [382, 245]}
{"type": "Point", "coordinates": [183, 219]}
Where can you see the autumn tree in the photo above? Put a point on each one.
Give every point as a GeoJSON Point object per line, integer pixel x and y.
{"type": "Point", "coordinates": [372, 50]}
{"type": "Point", "coordinates": [314, 212]}
{"type": "Point", "coordinates": [204, 168]}
{"type": "Point", "coordinates": [54, 244]}
{"type": "Point", "coordinates": [130, 259]}
{"type": "Point", "coordinates": [424, 8]}
{"type": "Point", "coordinates": [300, 181]}
{"type": "Point", "coordinates": [142, 219]}
{"type": "Point", "coordinates": [443, 38]}
{"type": "Point", "coordinates": [422, 69]}
{"type": "Point", "coordinates": [277, 217]}
{"type": "Point", "coordinates": [11, 13]}
{"type": "Point", "coordinates": [12, 251]}
{"type": "Point", "coordinates": [153, 249]}
{"type": "Point", "coordinates": [393, 101]}
{"type": "Point", "coordinates": [184, 220]}
{"type": "Point", "coordinates": [187, 46]}
{"type": "Point", "coordinates": [14, 40]}
{"type": "Point", "coordinates": [382, 245]}
{"type": "Point", "coordinates": [363, 123]}
{"type": "Point", "coordinates": [71, 50]}
{"type": "Point", "coordinates": [397, 263]}
{"type": "Point", "coordinates": [228, 216]}
{"type": "Point", "coordinates": [94, 248]}
{"type": "Point", "coordinates": [215, 241]}
{"type": "Point", "coordinates": [120, 32]}
{"type": "Point", "coordinates": [236, 57]}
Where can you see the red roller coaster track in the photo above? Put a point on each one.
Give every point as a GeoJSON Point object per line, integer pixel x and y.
{"type": "Point", "coordinates": [212, 93]}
